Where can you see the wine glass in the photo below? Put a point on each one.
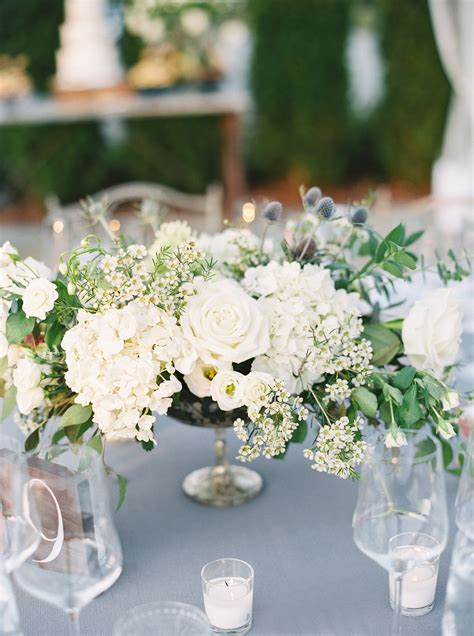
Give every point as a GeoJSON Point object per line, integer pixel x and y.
{"type": "Point", "coordinates": [400, 520]}
{"type": "Point", "coordinates": [18, 538]}
{"type": "Point", "coordinates": [465, 496]}
{"type": "Point", "coordinates": [79, 556]}
{"type": "Point", "coordinates": [458, 614]}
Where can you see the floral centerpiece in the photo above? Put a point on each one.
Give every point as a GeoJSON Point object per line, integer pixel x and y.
{"type": "Point", "coordinates": [288, 340]}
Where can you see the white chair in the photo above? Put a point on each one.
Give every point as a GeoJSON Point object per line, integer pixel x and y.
{"type": "Point", "coordinates": [204, 212]}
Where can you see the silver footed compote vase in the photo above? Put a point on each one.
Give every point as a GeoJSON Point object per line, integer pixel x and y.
{"type": "Point", "coordinates": [223, 484]}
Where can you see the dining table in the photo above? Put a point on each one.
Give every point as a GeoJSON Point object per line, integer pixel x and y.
{"type": "Point", "coordinates": [310, 578]}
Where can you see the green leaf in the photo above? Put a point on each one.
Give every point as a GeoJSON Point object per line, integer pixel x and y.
{"type": "Point", "coordinates": [385, 343]}
{"type": "Point", "coordinates": [393, 393]}
{"type": "Point", "coordinates": [447, 453]}
{"type": "Point", "coordinates": [299, 434]}
{"type": "Point", "coordinates": [385, 413]}
{"type": "Point", "coordinates": [404, 378]}
{"type": "Point", "coordinates": [413, 238]}
{"type": "Point", "coordinates": [58, 435]}
{"type": "Point", "coordinates": [95, 443]}
{"type": "Point", "coordinates": [81, 429]}
{"type": "Point", "coordinates": [403, 258]}
{"type": "Point", "coordinates": [32, 440]}
{"type": "Point", "coordinates": [393, 268]}
{"type": "Point", "coordinates": [9, 402]}
{"type": "Point", "coordinates": [148, 446]}
{"type": "Point", "coordinates": [18, 326]}
{"type": "Point", "coordinates": [380, 253]}
{"type": "Point", "coordinates": [76, 414]}
{"type": "Point", "coordinates": [54, 335]}
{"type": "Point", "coordinates": [434, 388]}
{"type": "Point", "coordinates": [366, 400]}
{"type": "Point", "coordinates": [122, 483]}
{"type": "Point", "coordinates": [395, 324]}
{"type": "Point", "coordinates": [396, 235]}
{"type": "Point", "coordinates": [410, 411]}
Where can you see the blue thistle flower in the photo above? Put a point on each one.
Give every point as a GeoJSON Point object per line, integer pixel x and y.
{"type": "Point", "coordinates": [326, 208]}
{"type": "Point", "coordinates": [312, 197]}
{"type": "Point", "coordinates": [359, 216]}
{"type": "Point", "coordinates": [273, 211]}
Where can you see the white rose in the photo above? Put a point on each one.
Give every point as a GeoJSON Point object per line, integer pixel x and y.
{"type": "Point", "coordinates": [6, 252]}
{"type": "Point", "coordinates": [451, 400]}
{"type": "Point", "coordinates": [199, 381]}
{"type": "Point", "coordinates": [432, 331]}
{"type": "Point", "coordinates": [256, 386]}
{"type": "Point", "coordinates": [29, 400]}
{"type": "Point", "coordinates": [39, 297]}
{"type": "Point", "coordinates": [395, 438]}
{"type": "Point", "coordinates": [27, 375]}
{"type": "Point", "coordinates": [226, 390]}
{"type": "Point", "coordinates": [223, 322]}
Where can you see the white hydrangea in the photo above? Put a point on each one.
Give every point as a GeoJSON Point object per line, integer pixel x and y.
{"type": "Point", "coordinates": [313, 326]}
{"type": "Point", "coordinates": [232, 248]}
{"type": "Point", "coordinates": [122, 362]}
{"type": "Point", "coordinates": [171, 235]}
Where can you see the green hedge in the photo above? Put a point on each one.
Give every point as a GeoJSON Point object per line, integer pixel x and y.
{"type": "Point", "coordinates": [73, 160]}
{"type": "Point", "coordinates": [300, 88]}
{"type": "Point", "coordinates": [408, 127]}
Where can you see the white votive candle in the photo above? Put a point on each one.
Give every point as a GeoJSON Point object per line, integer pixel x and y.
{"type": "Point", "coordinates": [227, 586]}
{"type": "Point", "coordinates": [419, 582]}
{"type": "Point", "coordinates": [228, 602]}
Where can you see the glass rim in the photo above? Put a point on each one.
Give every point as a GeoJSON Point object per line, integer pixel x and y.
{"type": "Point", "coordinates": [435, 541]}
{"type": "Point", "coordinates": [410, 432]}
{"type": "Point", "coordinates": [209, 582]}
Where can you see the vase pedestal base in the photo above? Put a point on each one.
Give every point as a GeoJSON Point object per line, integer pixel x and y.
{"type": "Point", "coordinates": [222, 486]}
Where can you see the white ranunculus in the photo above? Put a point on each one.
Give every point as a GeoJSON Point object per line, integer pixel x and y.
{"type": "Point", "coordinates": [29, 400]}
{"type": "Point", "coordinates": [432, 331]}
{"type": "Point", "coordinates": [199, 381]}
{"type": "Point", "coordinates": [451, 400]}
{"type": "Point", "coordinates": [256, 386]}
{"type": "Point", "coordinates": [39, 297]}
{"type": "Point", "coordinates": [27, 375]}
{"type": "Point", "coordinates": [394, 438]}
{"type": "Point", "coordinates": [226, 390]}
{"type": "Point", "coordinates": [223, 322]}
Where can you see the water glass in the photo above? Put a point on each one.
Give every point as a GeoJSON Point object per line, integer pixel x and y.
{"type": "Point", "coordinates": [458, 617]}
{"type": "Point", "coordinates": [170, 618]}
{"type": "Point", "coordinates": [227, 586]}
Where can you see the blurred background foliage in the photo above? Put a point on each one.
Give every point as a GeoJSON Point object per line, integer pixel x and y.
{"type": "Point", "coordinates": [302, 122]}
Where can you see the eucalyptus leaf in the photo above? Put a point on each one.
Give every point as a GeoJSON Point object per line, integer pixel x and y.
{"type": "Point", "coordinates": [9, 402]}
{"type": "Point", "coordinates": [122, 483]}
{"type": "Point", "coordinates": [385, 343]}
{"type": "Point", "coordinates": [76, 414]}
{"type": "Point", "coordinates": [404, 378]}
{"type": "Point", "coordinates": [366, 400]}
{"type": "Point", "coordinates": [18, 326]}
{"type": "Point", "coordinates": [300, 433]}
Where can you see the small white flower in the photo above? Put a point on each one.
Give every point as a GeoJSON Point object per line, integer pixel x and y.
{"type": "Point", "coordinates": [199, 381]}
{"type": "Point", "coordinates": [29, 400]}
{"type": "Point", "coordinates": [451, 400]}
{"type": "Point", "coordinates": [256, 386]}
{"type": "Point", "coordinates": [226, 390]}
{"type": "Point", "coordinates": [394, 438]}
{"type": "Point", "coordinates": [39, 297]}
{"type": "Point", "coordinates": [446, 430]}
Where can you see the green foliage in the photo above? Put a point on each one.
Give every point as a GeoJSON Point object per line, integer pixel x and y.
{"type": "Point", "coordinates": [385, 343]}
{"type": "Point", "coordinates": [180, 152]}
{"type": "Point", "coordinates": [75, 415]}
{"type": "Point", "coordinates": [410, 121]}
{"type": "Point", "coordinates": [18, 326]}
{"type": "Point", "coordinates": [31, 27]}
{"type": "Point", "coordinates": [300, 88]}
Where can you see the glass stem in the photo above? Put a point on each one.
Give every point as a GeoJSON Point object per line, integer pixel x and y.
{"type": "Point", "coordinates": [397, 604]}
{"type": "Point", "coordinates": [9, 617]}
{"type": "Point", "coordinates": [76, 628]}
{"type": "Point", "coordinates": [220, 470]}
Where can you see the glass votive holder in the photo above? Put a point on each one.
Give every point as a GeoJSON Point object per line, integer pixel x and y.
{"type": "Point", "coordinates": [167, 617]}
{"type": "Point", "coordinates": [417, 555]}
{"type": "Point", "coordinates": [227, 586]}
